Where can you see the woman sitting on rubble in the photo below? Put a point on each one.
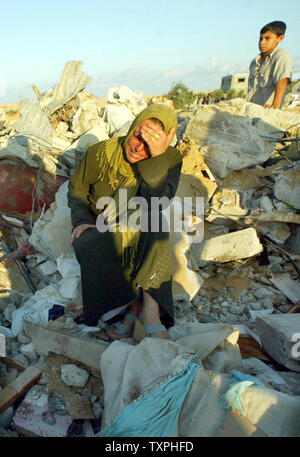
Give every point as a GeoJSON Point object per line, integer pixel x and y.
{"type": "Point", "coordinates": [126, 270]}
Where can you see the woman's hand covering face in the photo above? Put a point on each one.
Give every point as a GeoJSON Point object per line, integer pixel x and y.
{"type": "Point", "coordinates": [148, 140]}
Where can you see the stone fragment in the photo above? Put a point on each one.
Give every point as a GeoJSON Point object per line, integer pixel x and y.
{"type": "Point", "coordinates": [20, 358]}
{"type": "Point", "coordinates": [186, 283]}
{"type": "Point", "coordinates": [235, 309]}
{"type": "Point", "coordinates": [72, 81]}
{"type": "Point", "coordinates": [280, 336]}
{"type": "Point", "coordinates": [74, 376]}
{"type": "Point", "coordinates": [85, 118]}
{"type": "Point", "coordinates": [232, 246]}
{"type": "Point", "coordinates": [266, 204]}
{"type": "Point", "coordinates": [287, 187]}
{"type": "Point", "coordinates": [28, 350]}
{"type": "Point", "coordinates": [288, 286]}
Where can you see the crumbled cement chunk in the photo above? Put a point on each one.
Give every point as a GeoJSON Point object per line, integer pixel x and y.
{"type": "Point", "coordinates": [20, 358]}
{"type": "Point", "coordinates": [29, 351]}
{"type": "Point", "coordinates": [288, 286]}
{"type": "Point", "coordinates": [280, 336]}
{"type": "Point", "coordinates": [287, 187]}
{"type": "Point", "coordinates": [74, 376]}
{"type": "Point", "coordinates": [232, 246]}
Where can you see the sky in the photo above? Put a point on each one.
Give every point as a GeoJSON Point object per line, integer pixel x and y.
{"type": "Point", "coordinates": [146, 45]}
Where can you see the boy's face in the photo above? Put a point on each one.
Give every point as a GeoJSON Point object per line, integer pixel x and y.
{"type": "Point", "coordinates": [268, 41]}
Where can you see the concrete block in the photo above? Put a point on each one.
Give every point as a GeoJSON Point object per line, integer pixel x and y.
{"type": "Point", "coordinates": [78, 348]}
{"type": "Point", "coordinates": [73, 375]}
{"type": "Point", "coordinates": [279, 335]}
{"type": "Point", "coordinates": [288, 286]}
{"type": "Point", "coordinates": [287, 187]}
{"type": "Point", "coordinates": [232, 246]}
{"type": "Point", "coordinates": [29, 351]}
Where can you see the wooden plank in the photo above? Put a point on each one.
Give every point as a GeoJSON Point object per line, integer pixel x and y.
{"type": "Point", "coordinates": [19, 387]}
{"type": "Point", "coordinates": [12, 363]}
{"type": "Point", "coordinates": [85, 350]}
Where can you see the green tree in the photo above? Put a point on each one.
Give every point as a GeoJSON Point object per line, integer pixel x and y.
{"type": "Point", "coordinates": [181, 95]}
{"type": "Point", "coordinates": [231, 94]}
{"type": "Point", "coordinates": [241, 94]}
{"type": "Point", "coordinates": [290, 86]}
{"type": "Point", "coordinates": [218, 93]}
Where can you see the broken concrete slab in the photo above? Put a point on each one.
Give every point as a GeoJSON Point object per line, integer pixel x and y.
{"type": "Point", "coordinates": [122, 95]}
{"type": "Point", "coordinates": [72, 81]}
{"type": "Point", "coordinates": [186, 283]}
{"type": "Point", "coordinates": [117, 116]}
{"type": "Point", "coordinates": [280, 335]}
{"type": "Point", "coordinates": [275, 118]}
{"type": "Point", "coordinates": [228, 142]}
{"type": "Point", "coordinates": [51, 233]}
{"type": "Point", "coordinates": [196, 179]}
{"type": "Point", "coordinates": [277, 231]}
{"type": "Point", "coordinates": [232, 246]}
{"type": "Point", "coordinates": [287, 285]}
{"type": "Point", "coordinates": [85, 118]}
{"type": "Point", "coordinates": [73, 154]}
{"type": "Point", "coordinates": [287, 187]}
{"type": "Point", "coordinates": [33, 121]}
{"type": "Point", "coordinates": [81, 349]}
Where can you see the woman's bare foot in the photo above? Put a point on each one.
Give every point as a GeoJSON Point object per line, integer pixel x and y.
{"type": "Point", "coordinates": [150, 316]}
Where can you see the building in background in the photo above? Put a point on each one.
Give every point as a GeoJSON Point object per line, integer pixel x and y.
{"type": "Point", "coordinates": [237, 82]}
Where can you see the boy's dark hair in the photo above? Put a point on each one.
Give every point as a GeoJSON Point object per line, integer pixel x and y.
{"type": "Point", "coordinates": [278, 27]}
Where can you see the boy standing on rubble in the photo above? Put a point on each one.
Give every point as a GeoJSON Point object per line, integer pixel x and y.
{"type": "Point", "coordinates": [270, 72]}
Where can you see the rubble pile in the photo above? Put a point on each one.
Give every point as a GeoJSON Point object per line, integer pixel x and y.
{"type": "Point", "coordinates": [244, 269]}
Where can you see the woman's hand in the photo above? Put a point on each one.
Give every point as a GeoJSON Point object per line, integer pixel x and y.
{"type": "Point", "coordinates": [79, 230]}
{"type": "Point", "coordinates": [156, 139]}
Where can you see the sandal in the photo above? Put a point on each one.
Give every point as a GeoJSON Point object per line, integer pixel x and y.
{"type": "Point", "coordinates": [122, 330]}
{"type": "Point", "coordinates": [156, 328]}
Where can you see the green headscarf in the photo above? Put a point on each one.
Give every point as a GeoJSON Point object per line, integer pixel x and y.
{"type": "Point", "coordinates": [113, 162]}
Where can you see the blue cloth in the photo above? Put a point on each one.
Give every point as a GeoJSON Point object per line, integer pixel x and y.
{"type": "Point", "coordinates": [238, 384]}
{"type": "Point", "coordinates": [157, 413]}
